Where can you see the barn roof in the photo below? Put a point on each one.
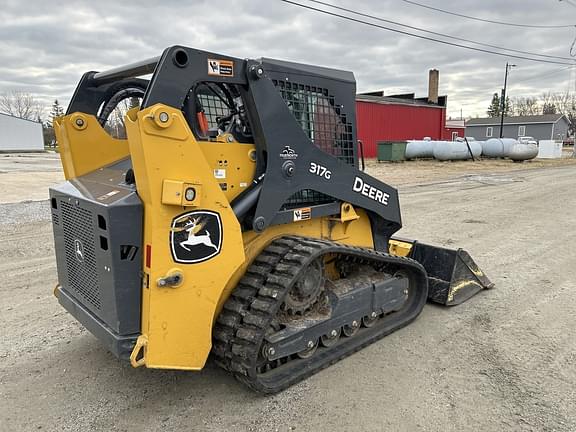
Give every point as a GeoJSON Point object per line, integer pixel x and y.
{"type": "Point", "coordinates": [400, 99]}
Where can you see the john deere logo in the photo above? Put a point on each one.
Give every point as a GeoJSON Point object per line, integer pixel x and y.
{"type": "Point", "coordinates": [79, 250]}
{"type": "Point", "coordinates": [196, 236]}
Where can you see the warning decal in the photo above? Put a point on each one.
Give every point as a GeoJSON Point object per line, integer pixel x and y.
{"type": "Point", "coordinates": [302, 214]}
{"type": "Point", "coordinates": [221, 67]}
{"type": "Point", "coordinates": [108, 195]}
{"type": "Point", "coordinates": [220, 173]}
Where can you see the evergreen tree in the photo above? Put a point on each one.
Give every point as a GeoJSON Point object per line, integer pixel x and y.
{"type": "Point", "coordinates": [508, 109]}
{"type": "Point", "coordinates": [48, 130]}
{"type": "Point", "coordinates": [494, 108]}
{"type": "Point", "coordinates": [55, 111]}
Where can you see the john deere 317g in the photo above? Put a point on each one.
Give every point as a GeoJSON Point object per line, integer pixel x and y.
{"type": "Point", "coordinates": [232, 218]}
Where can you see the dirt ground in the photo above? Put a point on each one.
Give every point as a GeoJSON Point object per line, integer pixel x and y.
{"type": "Point", "coordinates": [427, 171]}
{"type": "Point", "coordinates": [27, 176]}
{"type": "Point", "coordinates": [503, 361]}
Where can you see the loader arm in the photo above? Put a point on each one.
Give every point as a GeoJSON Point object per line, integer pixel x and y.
{"type": "Point", "coordinates": [180, 69]}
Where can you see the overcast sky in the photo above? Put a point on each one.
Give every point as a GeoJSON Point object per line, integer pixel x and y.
{"type": "Point", "coordinates": [45, 46]}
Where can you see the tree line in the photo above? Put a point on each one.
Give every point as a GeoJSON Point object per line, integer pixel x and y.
{"type": "Point", "coordinates": [26, 106]}
{"type": "Point", "coordinates": [546, 103]}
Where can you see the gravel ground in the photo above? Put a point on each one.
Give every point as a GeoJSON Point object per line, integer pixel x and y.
{"type": "Point", "coordinates": [28, 175]}
{"type": "Point", "coordinates": [504, 361]}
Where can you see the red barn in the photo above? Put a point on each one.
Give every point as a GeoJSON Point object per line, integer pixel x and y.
{"type": "Point", "coordinates": [401, 117]}
{"type": "Point", "coordinates": [454, 129]}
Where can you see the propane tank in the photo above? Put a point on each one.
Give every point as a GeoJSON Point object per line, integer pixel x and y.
{"type": "Point", "coordinates": [497, 147]}
{"type": "Point", "coordinates": [521, 152]}
{"type": "Point", "coordinates": [456, 150]}
{"type": "Point", "coordinates": [416, 149]}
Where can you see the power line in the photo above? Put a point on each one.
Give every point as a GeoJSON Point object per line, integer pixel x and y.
{"type": "Point", "coordinates": [487, 20]}
{"type": "Point", "coordinates": [479, 102]}
{"type": "Point", "coordinates": [436, 33]}
{"type": "Point", "coordinates": [423, 37]}
{"type": "Point", "coordinates": [513, 83]}
{"type": "Point", "coordinates": [491, 89]}
{"type": "Point", "coordinates": [544, 75]}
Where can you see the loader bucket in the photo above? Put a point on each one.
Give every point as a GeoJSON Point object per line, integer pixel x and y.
{"type": "Point", "coordinates": [453, 276]}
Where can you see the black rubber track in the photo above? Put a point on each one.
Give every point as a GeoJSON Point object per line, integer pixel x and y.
{"type": "Point", "coordinates": [247, 315]}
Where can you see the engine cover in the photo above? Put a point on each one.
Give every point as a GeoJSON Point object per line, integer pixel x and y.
{"type": "Point", "coordinates": [97, 222]}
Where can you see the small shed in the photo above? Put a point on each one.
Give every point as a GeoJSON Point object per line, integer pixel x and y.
{"type": "Point", "coordinates": [20, 135]}
{"type": "Point", "coordinates": [541, 127]}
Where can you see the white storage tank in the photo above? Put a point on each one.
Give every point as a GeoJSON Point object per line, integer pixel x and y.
{"type": "Point", "coordinates": [476, 147]}
{"type": "Point", "coordinates": [521, 152]}
{"type": "Point", "coordinates": [456, 150]}
{"type": "Point", "coordinates": [420, 149]}
{"type": "Point", "coordinates": [497, 147]}
{"type": "Point", "coordinates": [19, 135]}
{"type": "Point", "coordinates": [549, 149]}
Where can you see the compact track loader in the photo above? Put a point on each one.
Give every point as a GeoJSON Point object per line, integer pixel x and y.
{"type": "Point", "coordinates": [232, 218]}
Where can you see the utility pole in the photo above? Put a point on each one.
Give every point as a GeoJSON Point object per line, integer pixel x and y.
{"type": "Point", "coordinates": [503, 101]}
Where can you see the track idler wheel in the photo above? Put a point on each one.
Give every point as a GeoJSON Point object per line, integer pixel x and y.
{"type": "Point", "coordinates": [330, 339]}
{"type": "Point", "coordinates": [352, 329]}
{"type": "Point", "coordinates": [308, 352]}
{"type": "Point", "coordinates": [370, 320]}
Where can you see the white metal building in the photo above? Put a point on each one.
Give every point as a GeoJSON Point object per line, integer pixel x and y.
{"type": "Point", "coordinates": [19, 135]}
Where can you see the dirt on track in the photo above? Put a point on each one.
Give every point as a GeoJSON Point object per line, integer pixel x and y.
{"type": "Point", "coordinates": [503, 361]}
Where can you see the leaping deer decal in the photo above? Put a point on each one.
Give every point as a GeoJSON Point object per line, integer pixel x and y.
{"type": "Point", "coordinates": [193, 227]}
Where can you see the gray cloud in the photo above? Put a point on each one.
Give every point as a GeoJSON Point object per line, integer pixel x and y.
{"type": "Point", "coordinates": [46, 46]}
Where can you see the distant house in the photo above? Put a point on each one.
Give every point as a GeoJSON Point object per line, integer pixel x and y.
{"type": "Point", "coordinates": [20, 135]}
{"type": "Point", "coordinates": [541, 127]}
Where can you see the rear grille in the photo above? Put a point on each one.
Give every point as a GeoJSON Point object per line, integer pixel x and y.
{"type": "Point", "coordinates": [79, 241]}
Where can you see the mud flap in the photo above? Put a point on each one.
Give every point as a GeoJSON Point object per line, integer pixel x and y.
{"type": "Point", "coordinates": [453, 276]}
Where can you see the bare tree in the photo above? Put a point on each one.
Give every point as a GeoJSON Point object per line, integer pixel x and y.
{"type": "Point", "coordinates": [21, 104]}
{"type": "Point", "coordinates": [547, 98]}
{"type": "Point", "coordinates": [547, 103]}
{"type": "Point", "coordinates": [115, 123]}
{"type": "Point", "coordinates": [565, 103]}
{"type": "Point", "coordinates": [524, 106]}
{"type": "Point", "coordinates": [549, 108]}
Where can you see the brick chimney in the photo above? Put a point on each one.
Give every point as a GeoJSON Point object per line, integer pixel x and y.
{"type": "Point", "coordinates": [433, 78]}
